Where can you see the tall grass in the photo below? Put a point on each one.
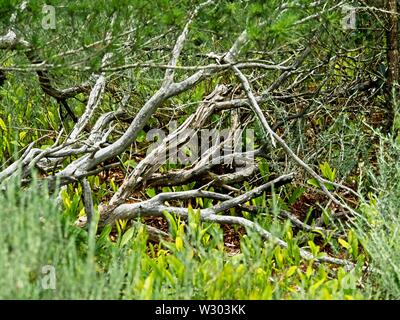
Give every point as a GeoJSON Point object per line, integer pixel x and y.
{"type": "Point", "coordinates": [381, 229]}
{"type": "Point", "coordinates": [37, 239]}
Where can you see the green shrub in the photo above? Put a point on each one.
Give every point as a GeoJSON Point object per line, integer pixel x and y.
{"type": "Point", "coordinates": [380, 230]}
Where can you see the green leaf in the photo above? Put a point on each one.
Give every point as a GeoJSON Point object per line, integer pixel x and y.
{"type": "Point", "coordinates": [114, 187]}
{"type": "Point", "coordinates": [291, 271]}
{"type": "Point", "coordinates": [344, 243]}
{"type": "Point", "coordinates": [313, 182]}
{"type": "Point", "coordinates": [314, 248]}
{"type": "Point", "coordinates": [179, 243]}
{"type": "Point", "coordinates": [22, 135]}
{"type": "Point", "coordinates": [105, 233]}
{"type": "Point", "coordinates": [3, 125]}
{"type": "Point", "coordinates": [141, 136]}
{"type": "Point", "coordinates": [127, 236]}
{"type": "Point", "coordinates": [327, 171]}
{"type": "Point", "coordinates": [352, 238]}
{"type": "Point", "coordinates": [151, 192]}
{"type": "Point", "coordinates": [296, 195]}
{"type": "Point", "coordinates": [279, 257]}
{"type": "Point", "coordinates": [326, 214]}
{"type": "Point", "coordinates": [264, 169]}
{"type": "Point", "coordinates": [130, 163]}
{"type": "Point", "coordinates": [172, 223]}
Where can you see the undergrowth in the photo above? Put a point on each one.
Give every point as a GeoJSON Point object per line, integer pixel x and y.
{"type": "Point", "coordinates": [39, 241]}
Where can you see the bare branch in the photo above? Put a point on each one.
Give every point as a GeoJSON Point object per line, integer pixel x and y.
{"type": "Point", "coordinates": [155, 207]}
{"type": "Point", "coordinates": [88, 201]}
